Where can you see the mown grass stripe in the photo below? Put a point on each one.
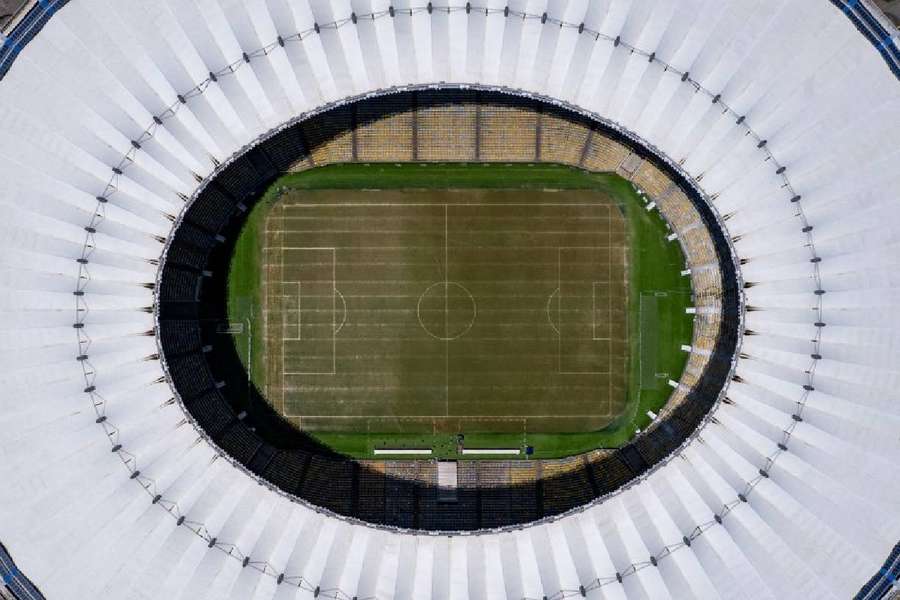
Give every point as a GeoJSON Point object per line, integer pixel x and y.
{"type": "Point", "coordinates": [654, 266]}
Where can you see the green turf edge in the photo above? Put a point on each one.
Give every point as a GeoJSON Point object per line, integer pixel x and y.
{"type": "Point", "coordinates": [244, 289]}
{"type": "Point", "coordinates": [654, 266]}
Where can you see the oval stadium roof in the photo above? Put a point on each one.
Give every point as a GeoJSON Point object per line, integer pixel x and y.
{"type": "Point", "coordinates": [785, 114]}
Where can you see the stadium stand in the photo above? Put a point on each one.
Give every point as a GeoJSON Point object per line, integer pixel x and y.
{"type": "Point", "coordinates": [446, 126]}
{"type": "Point", "coordinates": [610, 471]}
{"type": "Point", "coordinates": [650, 179]}
{"type": "Point", "coordinates": [183, 254]}
{"type": "Point", "coordinates": [214, 211]}
{"type": "Point", "coordinates": [329, 484]}
{"type": "Point", "coordinates": [507, 132]}
{"type": "Point", "coordinates": [180, 337]}
{"type": "Point", "coordinates": [330, 138]}
{"type": "Point", "coordinates": [239, 180]}
{"type": "Point", "coordinates": [239, 442]}
{"type": "Point", "coordinates": [194, 237]}
{"type": "Point", "coordinates": [286, 469]}
{"type": "Point", "coordinates": [191, 375]}
{"type": "Point", "coordinates": [565, 485]}
{"type": "Point", "coordinates": [287, 149]}
{"type": "Point", "coordinates": [385, 131]}
{"type": "Point", "coordinates": [602, 153]}
{"type": "Point", "coordinates": [180, 286]}
{"type": "Point", "coordinates": [372, 131]}
{"type": "Point", "coordinates": [372, 489]}
{"type": "Point", "coordinates": [677, 208]}
{"type": "Point", "coordinates": [211, 412]}
{"type": "Point", "coordinates": [562, 138]}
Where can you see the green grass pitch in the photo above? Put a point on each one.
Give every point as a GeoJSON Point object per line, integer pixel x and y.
{"type": "Point", "coordinates": [516, 304]}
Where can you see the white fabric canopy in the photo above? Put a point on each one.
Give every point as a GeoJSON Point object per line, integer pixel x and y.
{"type": "Point", "coordinates": [818, 524]}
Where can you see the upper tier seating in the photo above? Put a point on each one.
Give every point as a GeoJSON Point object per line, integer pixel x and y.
{"type": "Point", "coordinates": [507, 133]}
{"type": "Point", "coordinates": [385, 130]}
{"type": "Point", "coordinates": [445, 127]}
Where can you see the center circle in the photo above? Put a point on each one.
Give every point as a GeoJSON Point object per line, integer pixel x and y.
{"type": "Point", "coordinates": [446, 310]}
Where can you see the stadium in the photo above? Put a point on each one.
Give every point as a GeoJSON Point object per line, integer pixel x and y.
{"type": "Point", "coordinates": [373, 299]}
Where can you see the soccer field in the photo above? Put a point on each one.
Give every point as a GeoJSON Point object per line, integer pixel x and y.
{"type": "Point", "coordinates": [446, 310]}
{"type": "Point", "coordinates": [345, 296]}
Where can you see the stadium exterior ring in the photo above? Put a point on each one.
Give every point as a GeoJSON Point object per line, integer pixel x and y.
{"type": "Point", "coordinates": [774, 542]}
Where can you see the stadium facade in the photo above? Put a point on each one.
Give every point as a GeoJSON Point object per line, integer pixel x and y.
{"type": "Point", "coordinates": [780, 116]}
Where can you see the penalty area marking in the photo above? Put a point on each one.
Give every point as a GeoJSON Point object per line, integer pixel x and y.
{"type": "Point", "coordinates": [334, 328]}
{"type": "Point", "coordinates": [558, 292]}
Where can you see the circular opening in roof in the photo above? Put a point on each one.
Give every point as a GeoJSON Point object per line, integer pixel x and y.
{"type": "Point", "coordinates": [457, 292]}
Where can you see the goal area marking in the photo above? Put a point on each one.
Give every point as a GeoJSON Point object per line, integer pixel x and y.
{"type": "Point", "coordinates": [560, 311]}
